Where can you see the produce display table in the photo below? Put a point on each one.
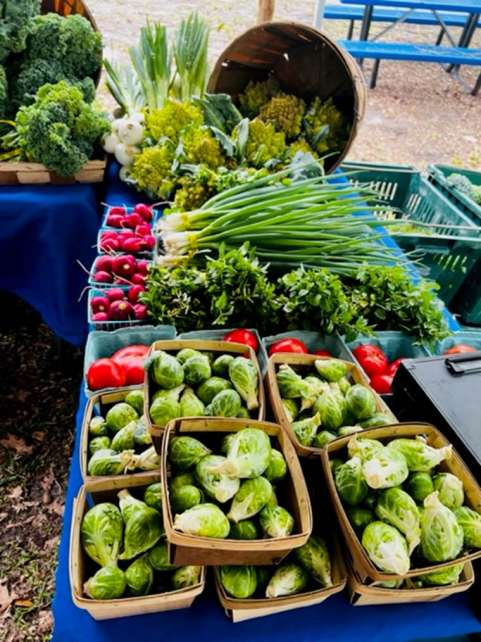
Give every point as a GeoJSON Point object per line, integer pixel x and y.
{"type": "Point", "coordinates": [335, 619]}
{"type": "Point", "coordinates": [44, 231]}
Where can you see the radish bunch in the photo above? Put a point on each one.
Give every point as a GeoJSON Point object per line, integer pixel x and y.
{"type": "Point", "coordinates": [118, 305]}
{"type": "Point", "coordinates": [133, 231]}
{"type": "Point", "coordinates": [122, 269]}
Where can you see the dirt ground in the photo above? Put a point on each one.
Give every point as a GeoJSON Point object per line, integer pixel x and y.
{"type": "Point", "coordinates": [418, 115]}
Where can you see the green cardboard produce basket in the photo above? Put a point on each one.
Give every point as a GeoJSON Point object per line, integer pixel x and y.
{"type": "Point", "coordinates": [452, 247]}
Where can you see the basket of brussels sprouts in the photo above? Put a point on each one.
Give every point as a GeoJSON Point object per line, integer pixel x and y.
{"type": "Point", "coordinates": [234, 492]}
{"type": "Point", "coordinates": [115, 439]}
{"type": "Point", "coordinates": [405, 500]}
{"type": "Point", "coordinates": [430, 587]}
{"type": "Point", "coordinates": [320, 399]}
{"type": "Point", "coordinates": [310, 575]}
{"type": "Point", "coordinates": [118, 561]}
{"type": "Point", "coordinates": [195, 378]}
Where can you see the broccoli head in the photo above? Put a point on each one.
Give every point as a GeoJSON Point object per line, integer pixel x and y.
{"type": "Point", "coordinates": [15, 16]}
{"type": "Point", "coordinates": [3, 92]}
{"type": "Point", "coordinates": [285, 112]}
{"type": "Point", "coordinates": [461, 183]}
{"type": "Point", "coordinates": [60, 130]}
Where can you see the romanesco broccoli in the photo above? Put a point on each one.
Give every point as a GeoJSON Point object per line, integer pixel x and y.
{"type": "Point", "coordinates": [257, 94]}
{"type": "Point", "coordinates": [461, 183]}
{"type": "Point", "coordinates": [263, 143]}
{"type": "Point", "coordinates": [477, 194]}
{"type": "Point", "coordinates": [171, 119]}
{"type": "Point", "coordinates": [285, 112]}
{"type": "Point", "coordinates": [325, 126]}
{"type": "Point", "coordinates": [152, 171]}
{"type": "Point", "coordinates": [300, 145]}
{"type": "Point", "coordinates": [200, 147]}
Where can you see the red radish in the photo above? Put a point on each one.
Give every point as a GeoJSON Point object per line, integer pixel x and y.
{"type": "Point", "coordinates": [102, 277]}
{"type": "Point", "coordinates": [143, 230]}
{"type": "Point", "coordinates": [132, 220]}
{"type": "Point", "coordinates": [100, 304]}
{"type": "Point", "coordinates": [123, 265]}
{"type": "Point", "coordinates": [126, 233]}
{"type": "Point", "coordinates": [109, 245]}
{"type": "Point", "coordinates": [115, 294]}
{"type": "Point", "coordinates": [382, 383]}
{"type": "Point", "coordinates": [134, 293]}
{"type": "Point", "coordinates": [110, 234]}
{"type": "Point", "coordinates": [132, 245]}
{"type": "Point", "coordinates": [149, 241]}
{"type": "Point", "coordinates": [143, 266]}
{"type": "Point", "coordinates": [145, 211]}
{"type": "Point", "coordinates": [138, 279]}
{"type": "Point", "coordinates": [118, 209]}
{"type": "Point", "coordinates": [100, 316]}
{"type": "Point", "coordinates": [121, 281]}
{"type": "Point", "coordinates": [121, 311]}
{"type": "Point", "coordinates": [103, 264]}
{"type": "Point", "coordinates": [114, 220]}
{"type": "Point", "coordinates": [140, 311]}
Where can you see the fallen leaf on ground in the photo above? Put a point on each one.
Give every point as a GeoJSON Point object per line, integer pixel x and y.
{"type": "Point", "coordinates": [24, 603]}
{"type": "Point", "coordinates": [15, 493]}
{"type": "Point", "coordinates": [17, 444]}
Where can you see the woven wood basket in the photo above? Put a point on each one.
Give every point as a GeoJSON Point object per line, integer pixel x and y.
{"type": "Point", "coordinates": [305, 61]}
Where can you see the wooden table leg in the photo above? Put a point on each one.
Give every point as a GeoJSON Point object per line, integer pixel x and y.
{"type": "Point", "coordinates": [265, 10]}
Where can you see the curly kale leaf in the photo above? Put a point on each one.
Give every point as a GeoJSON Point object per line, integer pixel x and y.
{"type": "Point", "coordinates": [15, 17]}
{"type": "Point", "coordinates": [3, 92]}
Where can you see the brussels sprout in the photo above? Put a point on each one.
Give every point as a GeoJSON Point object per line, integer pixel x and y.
{"type": "Point", "coordinates": [287, 580]}
{"type": "Point", "coordinates": [135, 398]}
{"type": "Point", "coordinates": [186, 576]}
{"type": "Point", "coordinates": [147, 460]}
{"type": "Point", "coordinates": [196, 370]}
{"type": "Point", "coordinates": [190, 404]}
{"type": "Point", "coordinates": [186, 353]}
{"type": "Point", "coordinates": [419, 456]}
{"type": "Point", "coordinates": [329, 410]}
{"type": "Point", "coordinates": [124, 438]}
{"type": "Point", "coordinates": [159, 557]}
{"type": "Point", "coordinates": [335, 464]}
{"type": "Point", "coordinates": [350, 482]}
{"type": "Point", "coordinates": [210, 388]}
{"type": "Point", "coordinates": [386, 548]}
{"type": "Point", "coordinates": [224, 446]}
{"type": "Point", "coordinates": [371, 500]}
{"type": "Point", "coordinates": [166, 371]}
{"type": "Point", "coordinates": [98, 427]}
{"type": "Point", "coordinates": [360, 517]}
{"type": "Point", "coordinates": [264, 574]}
{"type": "Point", "coordinates": [99, 443]}
{"type": "Point", "coordinates": [185, 452]}
{"type": "Point", "coordinates": [384, 469]}
{"type": "Point", "coordinates": [243, 413]}
{"type": "Point", "coordinates": [108, 583]}
{"type": "Point", "coordinates": [226, 404]}
{"type": "Point", "coordinates": [470, 522]}
{"type": "Point", "coordinates": [119, 416]}
{"type": "Point", "coordinates": [323, 438]}
{"type": "Point", "coordinates": [450, 489]}
{"type": "Point", "coordinates": [185, 479]}
{"type": "Point", "coordinates": [239, 581]}
{"type": "Point", "coordinates": [277, 468]}
{"type": "Point", "coordinates": [305, 429]}
{"type": "Point", "coordinates": [143, 525]}
{"type": "Point", "coordinates": [344, 385]}
{"type": "Point", "coordinates": [290, 384]}
{"type": "Point", "coordinates": [441, 535]}
{"type": "Point", "coordinates": [390, 584]}
{"type": "Point", "coordinates": [245, 529]}
{"type": "Point", "coordinates": [101, 533]}
{"type": "Point", "coordinates": [331, 369]}
{"type": "Point", "coordinates": [250, 499]}
{"type": "Point", "coordinates": [444, 576]}
{"type": "Point", "coordinates": [364, 447]}
{"type": "Point", "coordinates": [348, 430]}
{"type": "Point", "coordinates": [216, 484]}
{"type": "Point", "coordinates": [361, 402]}
{"type": "Point", "coordinates": [379, 419]}
{"type": "Point", "coordinates": [163, 410]}
{"type": "Point", "coordinates": [243, 375]}
{"type": "Point", "coordinates": [276, 521]}
{"type": "Point", "coordinates": [313, 556]}
{"type": "Point", "coordinates": [397, 508]}
{"type": "Point", "coordinates": [142, 435]}
{"type": "Point", "coordinates": [291, 409]}
{"type": "Point", "coordinates": [220, 367]}
{"type": "Point", "coordinates": [272, 501]}
{"type": "Point", "coordinates": [153, 496]}
{"type": "Point", "coordinates": [419, 486]}
{"type": "Point", "coordinates": [109, 462]}
{"type": "Point", "coordinates": [173, 393]}
{"type": "Point", "coordinates": [139, 576]}
{"type": "Point", "coordinates": [248, 454]}
{"type": "Point", "coordinates": [204, 520]}
{"type": "Point", "coordinates": [185, 497]}
{"type": "Point", "coordinates": [316, 388]}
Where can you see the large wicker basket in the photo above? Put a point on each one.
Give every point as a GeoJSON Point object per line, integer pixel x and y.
{"type": "Point", "coordinates": [25, 173]}
{"type": "Point", "coordinates": [305, 61]}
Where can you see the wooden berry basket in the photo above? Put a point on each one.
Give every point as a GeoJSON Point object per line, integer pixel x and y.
{"type": "Point", "coordinates": [248, 609]}
{"type": "Point", "coordinates": [359, 559]}
{"type": "Point", "coordinates": [307, 361]}
{"type": "Point", "coordinates": [80, 567]}
{"type": "Point", "coordinates": [223, 347]}
{"type": "Point", "coordinates": [365, 594]}
{"type": "Point", "coordinates": [211, 551]}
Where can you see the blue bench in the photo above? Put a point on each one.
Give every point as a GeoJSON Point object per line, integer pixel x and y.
{"type": "Point", "coordinates": [379, 50]}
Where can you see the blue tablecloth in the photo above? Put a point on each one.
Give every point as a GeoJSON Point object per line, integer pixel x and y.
{"type": "Point", "coordinates": [44, 230]}
{"type": "Point", "coordinates": [333, 621]}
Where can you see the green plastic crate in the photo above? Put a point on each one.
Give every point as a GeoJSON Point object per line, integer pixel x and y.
{"type": "Point", "coordinates": [470, 336]}
{"type": "Point", "coordinates": [450, 252]}
{"type": "Point", "coordinates": [438, 175]}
